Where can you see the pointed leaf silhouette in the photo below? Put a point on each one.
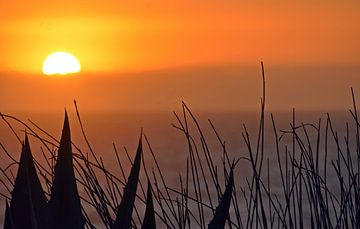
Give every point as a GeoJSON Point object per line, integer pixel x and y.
{"type": "Point", "coordinates": [149, 218]}
{"type": "Point", "coordinates": [28, 202]}
{"type": "Point", "coordinates": [124, 213]}
{"type": "Point", "coordinates": [222, 210]}
{"type": "Point", "coordinates": [64, 204]}
{"type": "Point", "coordinates": [8, 221]}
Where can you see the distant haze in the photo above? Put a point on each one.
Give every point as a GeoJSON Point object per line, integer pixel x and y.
{"type": "Point", "coordinates": [213, 89]}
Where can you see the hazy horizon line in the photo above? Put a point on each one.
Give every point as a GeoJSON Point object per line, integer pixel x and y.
{"type": "Point", "coordinates": [196, 67]}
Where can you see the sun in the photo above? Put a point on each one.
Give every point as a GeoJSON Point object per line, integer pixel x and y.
{"type": "Point", "coordinates": [61, 63]}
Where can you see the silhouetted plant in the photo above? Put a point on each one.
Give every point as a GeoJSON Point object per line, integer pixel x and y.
{"type": "Point", "coordinates": [124, 210]}
{"type": "Point", "coordinates": [28, 203]}
{"type": "Point", "coordinates": [64, 203]}
{"type": "Point", "coordinates": [8, 219]}
{"type": "Point", "coordinates": [222, 211]}
{"type": "Point", "coordinates": [317, 190]}
{"type": "Point", "coordinates": [149, 221]}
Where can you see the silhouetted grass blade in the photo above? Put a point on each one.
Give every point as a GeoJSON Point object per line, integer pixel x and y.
{"type": "Point", "coordinates": [28, 202]}
{"type": "Point", "coordinates": [124, 211]}
{"type": "Point", "coordinates": [222, 210]}
{"type": "Point", "coordinates": [64, 204]}
{"type": "Point", "coordinates": [149, 218]}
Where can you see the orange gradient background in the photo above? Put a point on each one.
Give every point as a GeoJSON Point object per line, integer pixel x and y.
{"type": "Point", "coordinates": [168, 51]}
{"type": "Point", "coordinates": [141, 35]}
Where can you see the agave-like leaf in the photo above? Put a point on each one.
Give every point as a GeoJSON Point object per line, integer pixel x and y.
{"type": "Point", "coordinates": [222, 210]}
{"type": "Point", "coordinates": [125, 209]}
{"type": "Point", "coordinates": [149, 218]}
{"type": "Point", "coordinates": [28, 201]}
{"type": "Point", "coordinates": [8, 221]}
{"type": "Point", "coordinates": [64, 204]}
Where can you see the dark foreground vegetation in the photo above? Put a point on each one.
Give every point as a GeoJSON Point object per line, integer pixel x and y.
{"type": "Point", "coordinates": [317, 171]}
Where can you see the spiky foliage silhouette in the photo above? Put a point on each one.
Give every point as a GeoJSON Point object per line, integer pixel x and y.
{"type": "Point", "coordinates": [149, 218]}
{"type": "Point", "coordinates": [125, 209]}
{"type": "Point", "coordinates": [64, 204]}
{"type": "Point", "coordinates": [8, 221]}
{"type": "Point", "coordinates": [28, 203]}
{"type": "Point", "coordinates": [222, 211]}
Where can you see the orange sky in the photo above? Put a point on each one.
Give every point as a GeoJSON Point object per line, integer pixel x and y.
{"type": "Point", "coordinates": [149, 55]}
{"type": "Point", "coordinates": [139, 35]}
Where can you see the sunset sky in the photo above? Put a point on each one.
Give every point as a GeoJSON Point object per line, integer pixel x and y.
{"type": "Point", "coordinates": [129, 66]}
{"type": "Point", "coordinates": [184, 37]}
{"type": "Point", "coordinates": [140, 35]}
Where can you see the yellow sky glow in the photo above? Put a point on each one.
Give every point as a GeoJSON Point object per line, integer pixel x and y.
{"type": "Point", "coordinates": [143, 36]}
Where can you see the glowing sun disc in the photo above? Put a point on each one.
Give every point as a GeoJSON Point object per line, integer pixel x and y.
{"type": "Point", "coordinates": [61, 63]}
